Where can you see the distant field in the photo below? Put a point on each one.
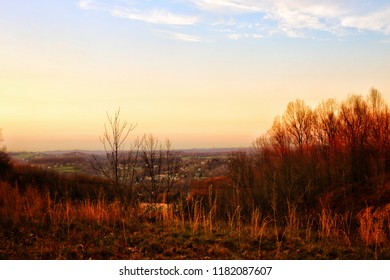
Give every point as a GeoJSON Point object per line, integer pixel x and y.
{"type": "Point", "coordinates": [22, 156]}
{"type": "Point", "coordinates": [79, 161]}
{"type": "Point", "coordinates": [67, 169]}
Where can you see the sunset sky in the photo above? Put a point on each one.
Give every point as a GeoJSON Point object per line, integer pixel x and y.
{"type": "Point", "coordinates": [202, 73]}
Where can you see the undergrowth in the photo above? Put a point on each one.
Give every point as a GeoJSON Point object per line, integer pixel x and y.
{"type": "Point", "coordinates": [34, 226]}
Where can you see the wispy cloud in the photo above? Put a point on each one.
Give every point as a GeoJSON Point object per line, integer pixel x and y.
{"type": "Point", "coordinates": [85, 4]}
{"type": "Point", "coordinates": [297, 18]}
{"type": "Point", "coordinates": [230, 6]}
{"type": "Point", "coordinates": [375, 21]}
{"type": "Point", "coordinates": [156, 16]}
{"type": "Point", "coordinates": [180, 36]}
{"type": "Point", "coordinates": [93, 5]}
{"type": "Point", "coordinates": [290, 17]}
{"type": "Point", "coordinates": [236, 36]}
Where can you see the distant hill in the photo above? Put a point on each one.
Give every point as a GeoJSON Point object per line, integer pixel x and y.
{"type": "Point", "coordinates": [102, 152]}
{"type": "Point", "coordinates": [213, 150]}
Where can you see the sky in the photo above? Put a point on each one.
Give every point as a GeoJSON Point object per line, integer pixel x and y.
{"type": "Point", "coordinates": [200, 73]}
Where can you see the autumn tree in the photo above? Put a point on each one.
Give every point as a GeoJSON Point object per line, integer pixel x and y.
{"type": "Point", "coordinates": [282, 165]}
{"type": "Point", "coordinates": [378, 135]}
{"type": "Point", "coordinates": [302, 164]}
{"type": "Point", "coordinates": [241, 171]}
{"type": "Point", "coordinates": [326, 124]}
{"type": "Point", "coordinates": [354, 126]}
{"type": "Point", "coordinates": [280, 139]}
{"type": "Point", "coordinates": [298, 120]}
{"type": "Point", "coordinates": [326, 133]}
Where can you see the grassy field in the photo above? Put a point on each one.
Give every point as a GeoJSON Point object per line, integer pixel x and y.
{"type": "Point", "coordinates": [33, 226]}
{"type": "Point", "coordinates": [67, 169]}
{"type": "Point", "coordinates": [23, 156]}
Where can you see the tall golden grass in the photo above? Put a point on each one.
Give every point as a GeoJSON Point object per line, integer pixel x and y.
{"type": "Point", "coordinates": [374, 225]}
{"type": "Point", "coordinates": [370, 226]}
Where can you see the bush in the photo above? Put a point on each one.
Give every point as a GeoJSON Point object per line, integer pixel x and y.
{"type": "Point", "coordinates": [5, 164]}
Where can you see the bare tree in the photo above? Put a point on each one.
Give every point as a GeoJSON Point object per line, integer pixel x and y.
{"type": "Point", "coordinates": [160, 165]}
{"type": "Point", "coordinates": [151, 156]}
{"type": "Point", "coordinates": [172, 166]}
{"type": "Point", "coordinates": [119, 164]}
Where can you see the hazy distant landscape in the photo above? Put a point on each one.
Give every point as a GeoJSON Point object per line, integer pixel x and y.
{"type": "Point", "coordinates": [79, 161]}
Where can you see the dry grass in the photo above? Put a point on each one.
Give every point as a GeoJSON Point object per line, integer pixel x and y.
{"type": "Point", "coordinates": [33, 226]}
{"type": "Point", "coordinates": [329, 224]}
{"type": "Point", "coordinates": [374, 225]}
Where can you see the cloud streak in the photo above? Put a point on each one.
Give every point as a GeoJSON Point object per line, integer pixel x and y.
{"type": "Point", "coordinates": [230, 6]}
{"type": "Point", "coordinates": [235, 36]}
{"type": "Point", "coordinates": [177, 36]}
{"type": "Point", "coordinates": [155, 16]}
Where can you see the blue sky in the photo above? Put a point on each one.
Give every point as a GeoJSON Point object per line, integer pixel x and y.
{"type": "Point", "coordinates": [202, 73]}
